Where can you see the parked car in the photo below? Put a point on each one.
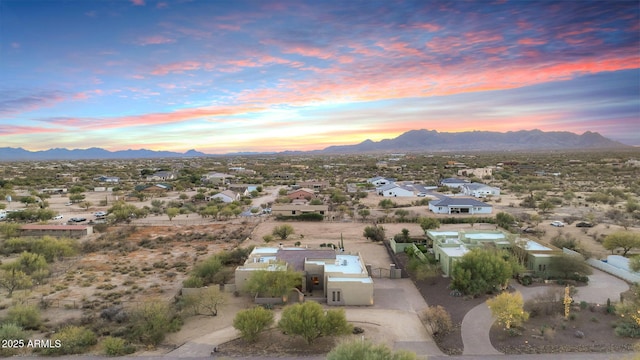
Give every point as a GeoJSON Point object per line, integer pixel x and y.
{"type": "Point", "coordinates": [58, 217]}
{"type": "Point", "coordinates": [77, 219]}
{"type": "Point", "coordinates": [100, 214]}
{"type": "Point", "coordinates": [584, 224]}
{"type": "Point", "coordinates": [557, 223]}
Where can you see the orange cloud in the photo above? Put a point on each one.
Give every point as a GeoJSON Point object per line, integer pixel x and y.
{"type": "Point", "coordinates": [154, 40]}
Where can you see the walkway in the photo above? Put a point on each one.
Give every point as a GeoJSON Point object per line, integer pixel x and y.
{"type": "Point", "coordinates": [478, 321]}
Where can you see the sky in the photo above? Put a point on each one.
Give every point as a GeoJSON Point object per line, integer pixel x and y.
{"type": "Point", "coordinates": [235, 76]}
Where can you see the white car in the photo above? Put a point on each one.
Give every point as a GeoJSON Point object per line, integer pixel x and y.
{"type": "Point", "coordinates": [58, 217]}
{"type": "Point", "coordinates": [557, 223]}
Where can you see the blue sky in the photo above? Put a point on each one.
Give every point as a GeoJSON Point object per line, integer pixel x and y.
{"type": "Point", "coordinates": [226, 76]}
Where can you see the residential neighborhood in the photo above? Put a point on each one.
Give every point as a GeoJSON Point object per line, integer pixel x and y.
{"type": "Point", "coordinates": [349, 241]}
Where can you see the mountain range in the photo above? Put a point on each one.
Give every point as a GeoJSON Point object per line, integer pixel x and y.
{"type": "Point", "coordinates": [410, 141]}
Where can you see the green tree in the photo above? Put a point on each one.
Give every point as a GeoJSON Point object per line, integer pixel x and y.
{"type": "Point", "coordinates": [283, 231]}
{"type": "Point", "coordinates": [364, 213]}
{"type": "Point", "coordinates": [427, 223]}
{"type": "Point", "coordinates": [546, 205]}
{"type": "Point", "coordinates": [375, 233]}
{"type": "Point", "coordinates": [26, 316]}
{"type": "Point", "coordinates": [86, 205]}
{"type": "Point", "coordinates": [151, 322]}
{"type": "Point", "coordinates": [504, 220]}
{"type": "Point", "coordinates": [402, 214]}
{"type": "Point", "coordinates": [121, 211]}
{"type": "Point", "coordinates": [13, 279]}
{"type": "Point", "coordinates": [508, 309]}
{"type": "Point", "coordinates": [310, 321]}
{"type": "Point", "coordinates": [569, 264]}
{"type": "Point", "coordinates": [252, 321]}
{"type": "Point", "coordinates": [172, 212]}
{"type": "Point", "coordinates": [622, 239]}
{"type": "Point", "coordinates": [358, 350]}
{"type": "Point", "coordinates": [481, 271]}
{"type": "Point", "coordinates": [211, 299]}
{"type": "Point", "coordinates": [272, 283]}
{"type": "Point", "coordinates": [386, 204]}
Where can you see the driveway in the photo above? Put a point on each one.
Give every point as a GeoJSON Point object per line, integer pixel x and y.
{"type": "Point", "coordinates": [477, 323]}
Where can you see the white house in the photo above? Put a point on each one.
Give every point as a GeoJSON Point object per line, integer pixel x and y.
{"type": "Point", "coordinates": [394, 190]}
{"type": "Point", "coordinates": [380, 181]}
{"type": "Point", "coordinates": [162, 176]}
{"type": "Point", "coordinates": [479, 190]}
{"type": "Point", "coordinates": [216, 178]}
{"type": "Point", "coordinates": [453, 182]}
{"type": "Point", "coordinates": [448, 205]}
{"type": "Point", "coordinates": [226, 196]}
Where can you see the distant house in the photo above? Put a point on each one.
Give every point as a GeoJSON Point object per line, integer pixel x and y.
{"type": "Point", "coordinates": [453, 183]}
{"type": "Point", "coordinates": [108, 179]}
{"type": "Point", "coordinates": [162, 176]}
{"type": "Point", "coordinates": [479, 190]}
{"type": "Point", "coordinates": [226, 196]}
{"type": "Point", "coordinates": [315, 185]}
{"type": "Point", "coordinates": [243, 189]}
{"type": "Point", "coordinates": [380, 181]}
{"type": "Point", "coordinates": [71, 231]}
{"type": "Point", "coordinates": [477, 172]}
{"type": "Point", "coordinates": [303, 193]}
{"type": "Point", "coordinates": [404, 189]}
{"type": "Point", "coordinates": [449, 205]}
{"type": "Point", "coordinates": [296, 210]}
{"type": "Point", "coordinates": [154, 189]}
{"type": "Point", "coordinates": [216, 178]}
{"type": "Point", "coordinates": [394, 190]}
{"type": "Point", "coordinates": [339, 278]}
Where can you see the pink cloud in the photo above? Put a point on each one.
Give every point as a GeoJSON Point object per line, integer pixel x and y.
{"type": "Point", "coordinates": [138, 2]}
{"type": "Point", "coordinates": [154, 40]}
{"type": "Point", "coordinates": [531, 41]}
{"type": "Point", "coordinates": [6, 130]}
{"type": "Point", "coordinates": [178, 67]}
{"type": "Point", "coordinates": [427, 26]}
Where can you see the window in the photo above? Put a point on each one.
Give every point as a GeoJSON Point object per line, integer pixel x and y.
{"type": "Point", "coordinates": [335, 296]}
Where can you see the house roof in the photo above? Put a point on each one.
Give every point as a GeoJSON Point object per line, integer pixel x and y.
{"type": "Point", "coordinates": [477, 186]}
{"type": "Point", "coordinates": [449, 201]}
{"type": "Point", "coordinates": [296, 258]}
{"type": "Point", "coordinates": [453, 181]}
{"type": "Point", "coordinates": [387, 187]}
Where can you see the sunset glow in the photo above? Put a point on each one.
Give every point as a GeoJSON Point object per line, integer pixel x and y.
{"type": "Point", "coordinates": [233, 76]}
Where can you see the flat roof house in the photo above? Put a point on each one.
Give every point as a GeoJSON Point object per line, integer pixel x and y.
{"type": "Point", "coordinates": [453, 182]}
{"type": "Point", "coordinates": [296, 210]}
{"type": "Point", "coordinates": [449, 205]}
{"type": "Point", "coordinates": [341, 277]}
{"type": "Point", "coordinates": [450, 246]}
{"type": "Point", "coordinates": [479, 190]}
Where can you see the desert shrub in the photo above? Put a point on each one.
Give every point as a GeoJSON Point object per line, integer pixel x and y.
{"type": "Point", "coordinates": [11, 332]}
{"type": "Point", "coordinates": [193, 282]}
{"type": "Point", "coordinates": [114, 346]}
{"type": "Point", "coordinates": [438, 320]}
{"type": "Point", "coordinates": [73, 340]}
{"type": "Point", "coordinates": [627, 329]}
{"type": "Point", "coordinates": [252, 321]}
{"type": "Point", "coordinates": [26, 316]}
{"type": "Point", "coordinates": [357, 349]}
{"type": "Point", "coordinates": [375, 233]}
{"type": "Point", "coordinates": [151, 322]}
{"type": "Point", "coordinates": [547, 303]}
